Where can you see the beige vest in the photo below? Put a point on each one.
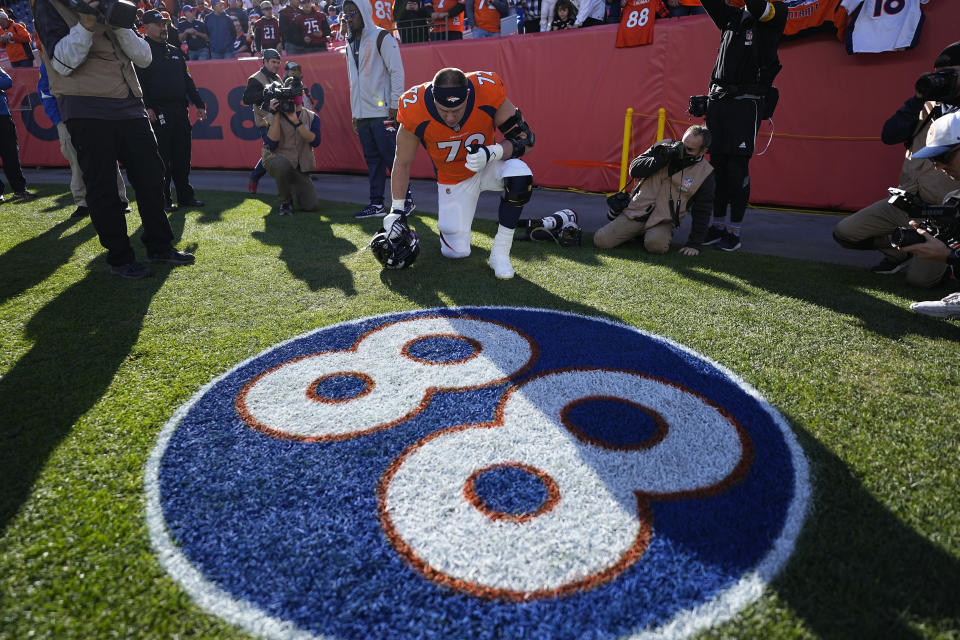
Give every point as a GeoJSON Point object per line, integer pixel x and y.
{"type": "Point", "coordinates": [261, 118]}
{"type": "Point", "coordinates": [919, 176]}
{"type": "Point", "coordinates": [292, 146]}
{"type": "Point", "coordinates": [654, 193]}
{"type": "Point", "coordinates": [106, 73]}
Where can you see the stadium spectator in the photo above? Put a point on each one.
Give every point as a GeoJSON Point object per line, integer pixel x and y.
{"type": "Point", "coordinates": [680, 8]}
{"type": "Point", "coordinates": [943, 149]}
{"type": "Point", "coordinates": [869, 228]}
{"type": "Point", "coordinates": [167, 90]}
{"type": "Point", "coordinates": [222, 32]}
{"type": "Point", "coordinates": [253, 97]}
{"type": "Point", "coordinates": [241, 45]}
{"type": "Point", "coordinates": [741, 95]}
{"type": "Point", "coordinates": [447, 17]}
{"type": "Point", "coordinates": [77, 188]}
{"type": "Point", "coordinates": [565, 16]}
{"type": "Point", "coordinates": [531, 16]}
{"type": "Point", "coordinates": [90, 68]}
{"type": "Point", "coordinates": [237, 11]}
{"type": "Point", "coordinates": [15, 39]}
{"type": "Point", "coordinates": [9, 149]}
{"type": "Point", "coordinates": [590, 13]}
{"type": "Point", "coordinates": [266, 30]}
{"type": "Point", "coordinates": [485, 16]}
{"type": "Point", "coordinates": [313, 28]}
{"type": "Point", "coordinates": [413, 20]}
{"type": "Point", "coordinates": [675, 179]}
{"type": "Point", "coordinates": [194, 33]}
{"type": "Point", "coordinates": [452, 108]}
{"type": "Point", "coordinates": [288, 155]}
{"type": "Point", "coordinates": [375, 72]}
{"type": "Point", "coordinates": [19, 11]}
{"type": "Point", "coordinates": [203, 9]}
{"type": "Point", "coordinates": [285, 15]}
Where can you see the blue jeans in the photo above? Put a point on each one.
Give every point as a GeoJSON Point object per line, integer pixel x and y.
{"type": "Point", "coordinates": [378, 151]}
{"type": "Point", "coordinates": [221, 55]}
{"type": "Point", "coordinates": [480, 33]}
{"type": "Point", "coordinates": [259, 171]}
{"type": "Point", "coordinates": [199, 54]}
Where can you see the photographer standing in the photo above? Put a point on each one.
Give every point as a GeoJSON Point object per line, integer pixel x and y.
{"type": "Point", "coordinates": [288, 151]}
{"type": "Point", "coordinates": [90, 68]}
{"type": "Point", "coordinates": [375, 71]}
{"type": "Point", "coordinates": [167, 88]}
{"type": "Point", "coordinates": [741, 95]}
{"type": "Point", "coordinates": [675, 179]}
{"type": "Point", "coordinates": [870, 228]}
{"type": "Point", "coordinates": [253, 97]}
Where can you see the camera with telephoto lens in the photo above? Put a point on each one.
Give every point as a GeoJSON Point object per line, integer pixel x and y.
{"type": "Point", "coordinates": [287, 91]}
{"type": "Point", "coordinates": [939, 86]}
{"type": "Point", "coordinates": [116, 13]}
{"type": "Point", "coordinates": [940, 221]}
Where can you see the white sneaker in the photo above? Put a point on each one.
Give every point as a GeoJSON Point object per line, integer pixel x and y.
{"type": "Point", "coordinates": [948, 307]}
{"type": "Point", "coordinates": [500, 253]}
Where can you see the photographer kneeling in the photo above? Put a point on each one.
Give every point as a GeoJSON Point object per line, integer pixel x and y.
{"type": "Point", "coordinates": [937, 236]}
{"type": "Point", "coordinates": [674, 179]}
{"type": "Point", "coordinates": [288, 148]}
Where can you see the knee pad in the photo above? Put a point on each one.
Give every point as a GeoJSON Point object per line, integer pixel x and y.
{"type": "Point", "coordinates": [517, 189]}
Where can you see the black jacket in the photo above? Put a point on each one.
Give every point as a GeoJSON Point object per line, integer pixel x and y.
{"type": "Point", "coordinates": [747, 60]}
{"type": "Point", "coordinates": [166, 83]}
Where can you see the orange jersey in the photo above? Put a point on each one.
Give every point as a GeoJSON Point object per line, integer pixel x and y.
{"type": "Point", "coordinates": [447, 148]}
{"type": "Point", "coordinates": [383, 14]}
{"type": "Point", "coordinates": [447, 24]}
{"type": "Point", "coordinates": [486, 16]}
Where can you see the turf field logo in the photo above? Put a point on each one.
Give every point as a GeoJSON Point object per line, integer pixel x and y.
{"type": "Point", "coordinates": [472, 473]}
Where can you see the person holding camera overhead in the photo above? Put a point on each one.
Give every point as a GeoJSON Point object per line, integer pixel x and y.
{"type": "Point", "coordinates": [167, 88]}
{"type": "Point", "coordinates": [89, 49]}
{"type": "Point", "coordinates": [674, 179]}
{"type": "Point", "coordinates": [293, 133]}
{"type": "Point", "coordinates": [937, 94]}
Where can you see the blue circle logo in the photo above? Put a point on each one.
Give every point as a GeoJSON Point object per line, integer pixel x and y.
{"type": "Point", "coordinates": [478, 472]}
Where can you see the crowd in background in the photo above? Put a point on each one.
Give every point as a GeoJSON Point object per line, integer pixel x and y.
{"type": "Point", "coordinates": [219, 29]}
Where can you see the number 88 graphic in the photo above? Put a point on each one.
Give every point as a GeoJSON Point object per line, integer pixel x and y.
{"type": "Point", "coordinates": [594, 519]}
{"type": "Point", "coordinates": [638, 18]}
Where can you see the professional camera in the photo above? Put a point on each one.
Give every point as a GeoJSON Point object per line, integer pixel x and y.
{"type": "Point", "coordinates": [116, 13]}
{"type": "Point", "coordinates": [698, 106]}
{"type": "Point", "coordinates": [617, 203]}
{"type": "Point", "coordinates": [940, 221]}
{"type": "Point", "coordinates": [941, 86]}
{"type": "Point", "coordinates": [287, 91]}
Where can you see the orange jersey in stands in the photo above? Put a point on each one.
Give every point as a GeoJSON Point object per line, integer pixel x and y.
{"type": "Point", "coordinates": [383, 14]}
{"type": "Point", "coordinates": [447, 24]}
{"type": "Point", "coordinates": [486, 16]}
{"type": "Point", "coordinates": [447, 148]}
{"type": "Point", "coordinates": [636, 23]}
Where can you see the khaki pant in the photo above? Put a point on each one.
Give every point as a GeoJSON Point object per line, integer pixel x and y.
{"type": "Point", "coordinates": [621, 229]}
{"type": "Point", "coordinates": [870, 227]}
{"type": "Point", "coordinates": [293, 185]}
{"type": "Point", "coordinates": [77, 188]}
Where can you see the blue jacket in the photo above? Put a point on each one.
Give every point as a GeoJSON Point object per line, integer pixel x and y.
{"type": "Point", "coordinates": [49, 102]}
{"type": "Point", "coordinates": [5, 83]}
{"type": "Point", "coordinates": [222, 32]}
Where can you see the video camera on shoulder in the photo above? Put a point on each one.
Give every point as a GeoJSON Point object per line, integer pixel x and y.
{"type": "Point", "coordinates": [940, 221]}
{"type": "Point", "coordinates": [116, 13]}
{"type": "Point", "coordinates": [287, 91]}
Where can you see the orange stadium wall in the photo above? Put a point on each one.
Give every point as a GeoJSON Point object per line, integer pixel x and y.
{"type": "Point", "coordinates": [574, 89]}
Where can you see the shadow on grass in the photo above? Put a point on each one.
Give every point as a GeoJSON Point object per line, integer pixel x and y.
{"type": "Point", "coordinates": [80, 339]}
{"type": "Point", "coordinates": [33, 260]}
{"type": "Point", "coordinates": [858, 571]}
{"type": "Point", "coordinates": [309, 248]}
{"type": "Point", "coordinates": [61, 203]}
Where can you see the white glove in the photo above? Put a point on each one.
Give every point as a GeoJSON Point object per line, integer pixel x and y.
{"type": "Point", "coordinates": [478, 156]}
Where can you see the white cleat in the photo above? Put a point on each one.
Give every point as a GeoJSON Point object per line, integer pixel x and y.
{"type": "Point", "coordinates": [501, 266]}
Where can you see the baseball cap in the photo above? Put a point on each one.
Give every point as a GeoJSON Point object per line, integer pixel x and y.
{"type": "Point", "coordinates": [266, 4]}
{"type": "Point", "coordinates": [153, 16]}
{"type": "Point", "coordinates": [187, 7]}
{"type": "Point", "coordinates": [949, 57]}
{"type": "Point", "coordinates": [943, 135]}
{"type": "Point", "coordinates": [271, 54]}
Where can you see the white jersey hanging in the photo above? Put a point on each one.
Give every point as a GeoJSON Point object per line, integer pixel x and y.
{"type": "Point", "coordinates": [882, 25]}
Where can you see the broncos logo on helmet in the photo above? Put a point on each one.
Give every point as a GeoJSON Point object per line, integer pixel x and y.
{"type": "Point", "coordinates": [397, 245]}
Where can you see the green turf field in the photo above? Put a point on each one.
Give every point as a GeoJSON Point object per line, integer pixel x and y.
{"type": "Point", "coordinates": [92, 366]}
